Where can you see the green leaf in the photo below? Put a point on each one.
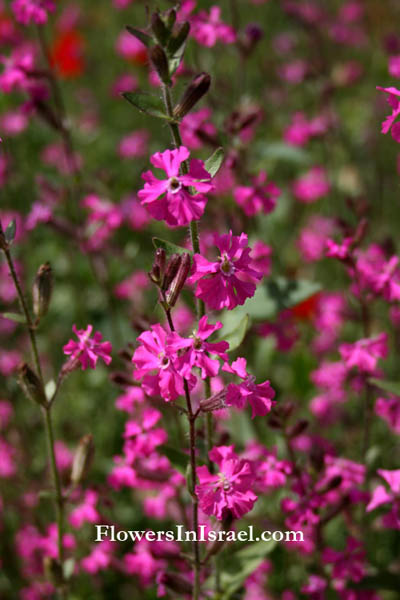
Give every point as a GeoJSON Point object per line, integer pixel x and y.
{"type": "Point", "coordinates": [176, 457]}
{"type": "Point", "coordinates": [10, 231]}
{"type": "Point", "coordinates": [235, 336]}
{"type": "Point", "coordinates": [392, 387]}
{"type": "Point", "coordinates": [18, 318]}
{"type": "Point", "coordinates": [214, 162]}
{"type": "Point", "coordinates": [169, 247]}
{"type": "Point", "coordinates": [242, 564]}
{"type": "Point", "coordinates": [147, 103]}
{"type": "Point", "coordinates": [143, 37]}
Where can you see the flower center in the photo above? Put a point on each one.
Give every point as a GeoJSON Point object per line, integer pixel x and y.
{"type": "Point", "coordinates": [174, 185]}
{"type": "Point", "coordinates": [224, 482]}
{"type": "Point", "coordinates": [197, 343]}
{"type": "Point", "coordinates": [164, 361]}
{"type": "Point", "coordinates": [227, 267]}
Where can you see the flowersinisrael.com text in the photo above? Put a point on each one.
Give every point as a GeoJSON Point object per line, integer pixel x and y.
{"type": "Point", "coordinates": [180, 534]}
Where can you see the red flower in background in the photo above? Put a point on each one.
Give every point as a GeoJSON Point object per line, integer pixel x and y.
{"type": "Point", "coordinates": [66, 53]}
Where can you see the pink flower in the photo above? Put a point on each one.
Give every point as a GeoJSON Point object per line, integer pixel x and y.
{"type": "Point", "coordinates": [229, 490]}
{"type": "Point", "coordinates": [85, 512]}
{"type": "Point", "coordinates": [312, 237]}
{"type": "Point", "coordinates": [208, 29]}
{"type": "Point", "coordinates": [339, 250]}
{"type": "Point", "coordinates": [198, 350]}
{"type": "Point", "coordinates": [142, 438]}
{"type": "Point", "coordinates": [169, 199]}
{"type": "Point", "coordinates": [230, 280]}
{"type": "Point", "coordinates": [195, 128]}
{"type": "Point", "coordinates": [154, 356]}
{"type": "Point", "coordinates": [99, 559]}
{"type": "Point", "coordinates": [380, 495]}
{"type": "Point", "coordinates": [315, 587]}
{"type": "Point", "coordinates": [394, 102]}
{"type": "Point", "coordinates": [88, 350]}
{"type": "Point", "coordinates": [260, 197]}
{"type": "Point", "coordinates": [16, 69]}
{"type": "Point", "coordinates": [261, 257]}
{"type": "Point", "coordinates": [311, 186]}
{"type": "Point", "coordinates": [259, 396]}
{"type": "Point", "coordinates": [134, 144]}
{"type": "Point", "coordinates": [294, 71]}
{"type": "Point", "coordinates": [364, 354]}
{"type": "Point", "coordinates": [389, 410]}
{"type": "Point", "coordinates": [348, 564]}
{"type": "Point", "coordinates": [394, 66]}
{"type": "Point", "coordinates": [32, 11]}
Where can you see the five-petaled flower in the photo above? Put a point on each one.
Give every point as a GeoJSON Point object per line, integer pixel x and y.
{"type": "Point", "coordinates": [229, 280]}
{"type": "Point", "coordinates": [169, 199]}
{"type": "Point", "coordinates": [229, 490]}
{"type": "Point", "coordinates": [87, 350]}
{"type": "Point", "coordinates": [260, 396]}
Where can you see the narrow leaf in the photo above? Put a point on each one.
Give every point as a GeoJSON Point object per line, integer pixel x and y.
{"type": "Point", "coordinates": [235, 336]}
{"type": "Point", "coordinates": [140, 35]}
{"type": "Point", "coordinates": [392, 387]}
{"type": "Point", "coordinates": [14, 317]}
{"type": "Point", "coordinates": [146, 103]}
{"type": "Point", "coordinates": [214, 162]}
{"type": "Point", "coordinates": [10, 231]}
{"type": "Point", "coordinates": [169, 247]}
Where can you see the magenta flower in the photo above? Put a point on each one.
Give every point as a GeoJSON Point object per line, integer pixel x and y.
{"type": "Point", "coordinates": [198, 350]}
{"type": "Point", "coordinates": [229, 490]}
{"type": "Point", "coordinates": [311, 186]}
{"type": "Point", "coordinates": [389, 410]}
{"type": "Point", "coordinates": [349, 564]}
{"type": "Point", "coordinates": [230, 280]}
{"type": "Point", "coordinates": [153, 357]}
{"type": "Point", "coordinates": [16, 68]}
{"type": "Point", "coordinates": [85, 512]}
{"type": "Point", "coordinates": [394, 103]}
{"type": "Point", "coordinates": [169, 199]}
{"type": "Point", "coordinates": [208, 29]}
{"type": "Point", "coordinates": [364, 354]}
{"type": "Point", "coordinates": [260, 197]}
{"type": "Point", "coordinates": [259, 396]}
{"type": "Point", "coordinates": [32, 11]}
{"type": "Point", "coordinates": [195, 128]}
{"type": "Point", "coordinates": [88, 350]}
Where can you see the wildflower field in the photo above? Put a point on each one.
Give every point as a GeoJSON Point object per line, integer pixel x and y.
{"type": "Point", "coordinates": [199, 300]}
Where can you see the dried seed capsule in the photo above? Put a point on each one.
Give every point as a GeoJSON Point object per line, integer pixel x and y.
{"type": "Point", "coordinates": [171, 270]}
{"type": "Point", "coordinates": [83, 459]}
{"type": "Point", "coordinates": [193, 93]}
{"type": "Point", "coordinates": [31, 384]}
{"type": "Point", "coordinates": [42, 290]}
{"type": "Point", "coordinates": [178, 282]}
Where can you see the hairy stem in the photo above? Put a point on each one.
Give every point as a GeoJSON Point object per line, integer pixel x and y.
{"type": "Point", "coordinates": [47, 417]}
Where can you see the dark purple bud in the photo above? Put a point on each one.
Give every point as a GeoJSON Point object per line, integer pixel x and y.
{"type": "Point", "coordinates": [175, 583]}
{"type": "Point", "coordinates": [159, 29]}
{"type": "Point", "coordinates": [178, 38]}
{"type": "Point", "coordinates": [171, 270]}
{"type": "Point", "coordinates": [42, 290]}
{"type": "Point", "coordinates": [31, 384]}
{"type": "Point", "coordinates": [157, 272]}
{"type": "Point", "coordinates": [193, 93]}
{"type": "Point", "coordinates": [298, 428]}
{"type": "Point", "coordinates": [159, 61]}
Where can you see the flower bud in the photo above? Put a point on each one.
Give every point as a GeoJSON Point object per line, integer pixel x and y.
{"type": "Point", "coordinates": [159, 61]}
{"type": "Point", "coordinates": [178, 38]}
{"type": "Point", "coordinates": [53, 571]}
{"type": "Point", "coordinates": [193, 93]}
{"type": "Point", "coordinates": [157, 272]}
{"type": "Point", "coordinates": [3, 243]}
{"type": "Point", "coordinates": [159, 29]}
{"type": "Point", "coordinates": [83, 459]}
{"type": "Point", "coordinates": [175, 583]}
{"type": "Point", "coordinates": [214, 402]}
{"type": "Point", "coordinates": [170, 18]}
{"type": "Point", "coordinates": [31, 385]}
{"type": "Point", "coordinates": [121, 378]}
{"type": "Point", "coordinates": [298, 428]}
{"type": "Point", "coordinates": [332, 484]}
{"type": "Point", "coordinates": [178, 282]}
{"type": "Point", "coordinates": [42, 290]}
{"type": "Point", "coordinates": [171, 270]}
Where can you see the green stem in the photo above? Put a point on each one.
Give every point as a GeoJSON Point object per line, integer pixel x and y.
{"type": "Point", "coordinates": [46, 411]}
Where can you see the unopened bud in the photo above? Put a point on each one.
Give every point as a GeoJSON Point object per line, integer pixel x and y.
{"type": "Point", "coordinates": [121, 378]}
{"type": "Point", "coordinates": [332, 484]}
{"type": "Point", "coordinates": [159, 61]}
{"type": "Point", "coordinates": [298, 428]}
{"type": "Point", "coordinates": [42, 290]}
{"type": "Point", "coordinates": [178, 38]}
{"type": "Point", "coordinates": [170, 18]}
{"type": "Point", "coordinates": [214, 402]}
{"type": "Point", "coordinates": [171, 270]}
{"type": "Point", "coordinates": [157, 272]}
{"type": "Point", "coordinates": [193, 93]}
{"type": "Point", "coordinates": [83, 459]}
{"type": "Point", "coordinates": [3, 243]}
{"type": "Point", "coordinates": [31, 384]}
{"type": "Point", "coordinates": [178, 282]}
{"type": "Point", "coordinates": [53, 571]}
{"type": "Point", "coordinates": [275, 423]}
{"type": "Point", "coordinates": [175, 583]}
{"type": "Point", "coordinates": [159, 29]}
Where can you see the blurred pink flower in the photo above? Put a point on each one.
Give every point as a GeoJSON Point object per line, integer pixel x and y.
{"type": "Point", "coordinates": [88, 350]}
{"type": "Point", "coordinates": [364, 354]}
{"type": "Point", "coordinates": [311, 186]}
{"type": "Point", "coordinates": [389, 410]}
{"type": "Point", "coordinates": [134, 144]}
{"type": "Point", "coordinates": [207, 28]}
{"type": "Point", "coordinates": [32, 11]}
{"type": "Point", "coordinates": [394, 103]}
{"type": "Point", "coordinates": [260, 197]}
